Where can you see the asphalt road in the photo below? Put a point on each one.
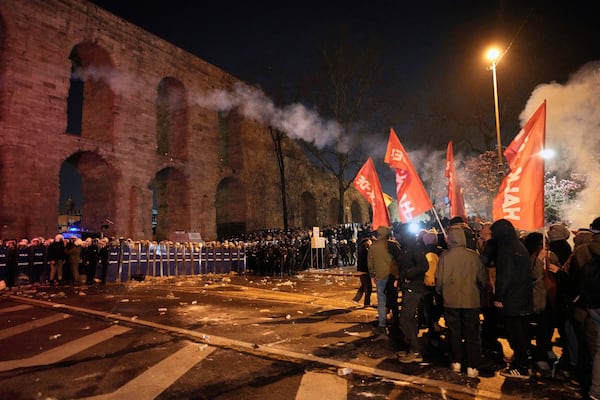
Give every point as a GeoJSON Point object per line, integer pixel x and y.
{"type": "Point", "coordinates": [221, 337]}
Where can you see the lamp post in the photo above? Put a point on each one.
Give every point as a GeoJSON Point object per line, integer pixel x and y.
{"type": "Point", "coordinates": [494, 56]}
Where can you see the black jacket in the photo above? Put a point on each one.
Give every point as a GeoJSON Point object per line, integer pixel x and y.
{"type": "Point", "coordinates": [514, 287]}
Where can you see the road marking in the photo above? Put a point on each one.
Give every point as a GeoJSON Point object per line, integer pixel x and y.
{"type": "Point", "coordinates": [155, 380]}
{"type": "Point", "coordinates": [15, 308]}
{"type": "Point", "coordinates": [28, 326]}
{"type": "Point", "coordinates": [65, 351]}
{"type": "Point", "coordinates": [399, 378]}
{"type": "Point", "coordinates": [324, 386]}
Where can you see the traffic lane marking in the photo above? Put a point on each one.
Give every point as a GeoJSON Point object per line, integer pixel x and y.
{"type": "Point", "coordinates": [161, 376]}
{"type": "Point", "coordinates": [65, 351]}
{"type": "Point", "coordinates": [28, 326]}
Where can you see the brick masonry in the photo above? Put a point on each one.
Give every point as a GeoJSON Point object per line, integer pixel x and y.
{"type": "Point", "coordinates": [128, 75]}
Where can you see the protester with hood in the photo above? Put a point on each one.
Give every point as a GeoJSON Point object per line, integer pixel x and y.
{"type": "Point", "coordinates": [514, 294]}
{"type": "Point", "coordinates": [586, 260]}
{"type": "Point", "coordinates": [412, 268]}
{"type": "Point", "coordinates": [460, 278]}
{"type": "Point", "coordinates": [381, 264]}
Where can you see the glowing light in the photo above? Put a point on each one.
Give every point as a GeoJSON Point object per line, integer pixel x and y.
{"type": "Point", "coordinates": [548, 154]}
{"type": "Point", "coordinates": [492, 54]}
{"type": "Point", "coordinates": [414, 228]}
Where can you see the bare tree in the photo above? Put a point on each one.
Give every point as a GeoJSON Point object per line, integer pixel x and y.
{"type": "Point", "coordinates": [278, 136]}
{"type": "Point", "coordinates": [344, 88]}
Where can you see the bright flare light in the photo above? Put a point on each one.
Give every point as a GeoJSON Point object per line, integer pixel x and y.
{"type": "Point", "coordinates": [548, 154]}
{"type": "Point", "coordinates": [414, 228]}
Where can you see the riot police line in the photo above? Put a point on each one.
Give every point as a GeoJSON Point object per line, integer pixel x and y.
{"type": "Point", "coordinates": [120, 261]}
{"type": "Point", "coordinates": [266, 252]}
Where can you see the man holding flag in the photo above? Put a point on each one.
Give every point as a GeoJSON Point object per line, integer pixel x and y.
{"type": "Point", "coordinates": [519, 204]}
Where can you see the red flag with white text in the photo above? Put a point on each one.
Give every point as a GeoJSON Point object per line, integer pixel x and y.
{"type": "Point", "coordinates": [412, 196]}
{"type": "Point", "coordinates": [367, 183]}
{"type": "Point", "coordinates": [520, 198]}
{"type": "Point", "coordinates": [455, 195]}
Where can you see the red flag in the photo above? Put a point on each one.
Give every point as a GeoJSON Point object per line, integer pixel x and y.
{"type": "Point", "coordinates": [455, 196]}
{"type": "Point", "coordinates": [412, 197]}
{"type": "Point", "coordinates": [520, 198]}
{"type": "Point", "coordinates": [367, 183]}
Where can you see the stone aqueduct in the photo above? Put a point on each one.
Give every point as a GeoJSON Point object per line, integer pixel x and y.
{"type": "Point", "coordinates": [82, 87]}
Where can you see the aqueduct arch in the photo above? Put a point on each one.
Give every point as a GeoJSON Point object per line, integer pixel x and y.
{"type": "Point", "coordinates": [91, 99]}
{"type": "Point", "coordinates": [170, 189]}
{"type": "Point", "coordinates": [98, 180]}
{"type": "Point", "coordinates": [230, 204]}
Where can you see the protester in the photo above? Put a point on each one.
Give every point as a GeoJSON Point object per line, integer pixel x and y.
{"type": "Point", "coordinates": [412, 267]}
{"type": "Point", "coordinates": [362, 270]}
{"type": "Point", "coordinates": [381, 265]}
{"type": "Point", "coordinates": [514, 294]}
{"type": "Point", "coordinates": [432, 300]}
{"type": "Point", "coordinates": [460, 277]}
{"type": "Point", "coordinates": [490, 326]}
{"type": "Point", "coordinates": [585, 269]}
{"type": "Point", "coordinates": [543, 263]}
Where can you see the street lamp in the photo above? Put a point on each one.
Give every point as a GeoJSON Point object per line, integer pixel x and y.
{"type": "Point", "coordinates": [494, 56]}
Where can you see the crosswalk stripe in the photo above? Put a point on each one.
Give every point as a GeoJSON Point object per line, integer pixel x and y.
{"type": "Point", "coordinates": [20, 307]}
{"type": "Point", "coordinates": [34, 324]}
{"type": "Point", "coordinates": [162, 375]}
{"type": "Point", "coordinates": [324, 386]}
{"type": "Point", "coordinates": [65, 351]}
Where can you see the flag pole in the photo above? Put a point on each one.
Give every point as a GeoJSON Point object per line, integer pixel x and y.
{"type": "Point", "coordinates": [439, 222]}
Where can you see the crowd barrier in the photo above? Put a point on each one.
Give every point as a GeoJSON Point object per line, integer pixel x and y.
{"type": "Point", "coordinates": [126, 261]}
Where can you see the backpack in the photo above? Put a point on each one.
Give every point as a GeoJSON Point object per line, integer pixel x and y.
{"type": "Point", "coordinates": [590, 279]}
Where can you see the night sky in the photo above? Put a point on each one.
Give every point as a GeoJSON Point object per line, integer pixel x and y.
{"type": "Point", "coordinates": [433, 49]}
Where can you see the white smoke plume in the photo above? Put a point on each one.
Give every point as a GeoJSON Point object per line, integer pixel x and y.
{"type": "Point", "coordinates": [296, 120]}
{"type": "Point", "coordinates": [573, 131]}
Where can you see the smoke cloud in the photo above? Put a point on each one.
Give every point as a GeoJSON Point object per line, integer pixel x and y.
{"type": "Point", "coordinates": [573, 131]}
{"type": "Point", "coordinates": [296, 120]}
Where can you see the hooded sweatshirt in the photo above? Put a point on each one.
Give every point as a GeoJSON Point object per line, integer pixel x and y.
{"type": "Point", "coordinates": [514, 287]}
{"type": "Point", "coordinates": [460, 274]}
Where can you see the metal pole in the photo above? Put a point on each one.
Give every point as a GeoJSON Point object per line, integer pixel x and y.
{"type": "Point", "coordinates": [499, 144]}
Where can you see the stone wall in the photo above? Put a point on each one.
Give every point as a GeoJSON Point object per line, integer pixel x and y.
{"type": "Point", "coordinates": [142, 139]}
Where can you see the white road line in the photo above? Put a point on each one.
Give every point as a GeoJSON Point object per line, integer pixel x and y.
{"type": "Point", "coordinates": [323, 386]}
{"type": "Point", "coordinates": [34, 324]}
{"type": "Point", "coordinates": [162, 375]}
{"type": "Point", "coordinates": [15, 308]}
{"type": "Point", "coordinates": [65, 351]}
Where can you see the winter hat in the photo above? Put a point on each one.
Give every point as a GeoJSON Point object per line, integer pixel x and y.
{"type": "Point", "coordinates": [430, 238]}
{"type": "Point", "coordinates": [595, 225]}
{"type": "Point", "coordinates": [457, 220]}
{"type": "Point", "coordinates": [558, 232]}
{"type": "Point", "coordinates": [383, 231]}
{"type": "Point", "coordinates": [582, 236]}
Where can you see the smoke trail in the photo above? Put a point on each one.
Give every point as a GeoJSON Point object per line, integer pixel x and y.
{"type": "Point", "coordinates": [573, 130]}
{"type": "Point", "coordinates": [296, 120]}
